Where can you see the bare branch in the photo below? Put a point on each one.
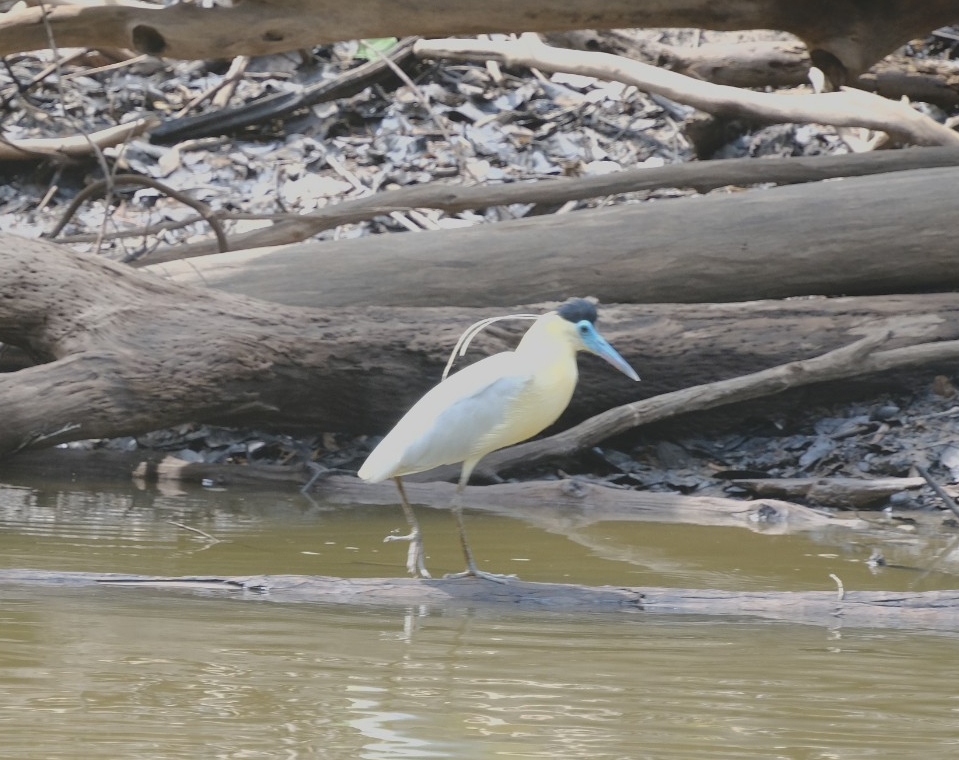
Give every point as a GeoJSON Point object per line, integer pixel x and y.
{"type": "Point", "coordinates": [849, 108]}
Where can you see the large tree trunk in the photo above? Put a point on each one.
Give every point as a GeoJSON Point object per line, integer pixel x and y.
{"type": "Point", "coordinates": [862, 235]}
{"type": "Point", "coordinates": [845, 37]}
{"type": "Point", "coordinates": [127, 352]}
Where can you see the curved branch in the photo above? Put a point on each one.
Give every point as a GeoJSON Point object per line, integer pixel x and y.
{"type": "Point", "coordinates": [849, 108]}
{"type": "Point", "coordinates": [76, 145]}
{"type": "Point", "coordinates": [104, 185]}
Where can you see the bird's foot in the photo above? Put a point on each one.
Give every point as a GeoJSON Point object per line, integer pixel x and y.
{"type": "Point", "coordinates": [415, 558]}
{"type": "Point", "coordinates": [474, 572]}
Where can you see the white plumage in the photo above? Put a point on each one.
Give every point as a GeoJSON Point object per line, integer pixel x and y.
{"type": "Point", "coordinates": [494, 403]}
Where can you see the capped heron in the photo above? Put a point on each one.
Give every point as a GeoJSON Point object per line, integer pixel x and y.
{"type": "Point", "coordinates": [496, 402]}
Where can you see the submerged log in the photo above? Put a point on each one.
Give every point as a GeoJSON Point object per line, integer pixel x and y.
{"type": "Point", "coordinates": [932, 610]}
{"type": "Point", "coordinates": [554, 504]}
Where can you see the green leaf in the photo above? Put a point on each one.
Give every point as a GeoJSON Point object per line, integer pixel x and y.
{"type": "Point", "coordinates": [368, 49]}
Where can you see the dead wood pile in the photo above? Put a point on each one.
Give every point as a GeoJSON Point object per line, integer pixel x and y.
{"type": "Point", "coordinates": [342, 335]}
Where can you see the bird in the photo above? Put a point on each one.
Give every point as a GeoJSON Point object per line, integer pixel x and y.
{"type": "Point", "coordinates": [496, 402]}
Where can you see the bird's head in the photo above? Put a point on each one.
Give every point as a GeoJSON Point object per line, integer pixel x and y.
{"type": "Point", "coordinates": [577, 321]}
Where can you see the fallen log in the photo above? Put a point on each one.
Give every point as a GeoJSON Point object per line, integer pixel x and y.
{"type": "Point", "coordinates": [128, 352]}
{"type": "Point", "coordinates": [700, 176]}
{"type": "Point", "coordinates": [786, 241]}
{"type": "Point", "coordinates": [927, 610]}
{"type": "Point", "coordinates": [844, 37]}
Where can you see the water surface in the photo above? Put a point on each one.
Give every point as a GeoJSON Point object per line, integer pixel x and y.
{"type": "Point", "coordinates": [149, 673]}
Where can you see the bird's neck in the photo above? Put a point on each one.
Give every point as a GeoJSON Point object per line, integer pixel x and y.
{"type": "Point", "coordinates": [547, 343]}
{"type": "Point", "coordinates": [548, 357]}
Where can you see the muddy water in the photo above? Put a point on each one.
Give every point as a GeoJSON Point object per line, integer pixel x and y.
{"type": "Point", "coordinates": [139, 673]}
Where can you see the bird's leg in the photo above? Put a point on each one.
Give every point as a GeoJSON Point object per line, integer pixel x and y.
{"type": "Point", "coordinates": [471, 569]}
{"type": "Point", "coordinates": [415, 564]}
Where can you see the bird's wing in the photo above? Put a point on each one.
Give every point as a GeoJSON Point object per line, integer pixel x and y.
{"type": "Point", "coordinates": [451, 420]}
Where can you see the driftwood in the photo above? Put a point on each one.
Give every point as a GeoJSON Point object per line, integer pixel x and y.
{"type": "Point", "coordinates": [700, 176]}
{"type": "Point", "coordinates": [844, 37]}
{"type": "Point", "coordinates": [127, 352]}
{"type": "Point", "coordinates": [929, 610]}
{"type": "Point", "coordinates": [831, 238]}
{"type": "Point", "coordinates": [743, 63]}
{"type": "Point", "coordinates": [849, 108]}
{"type": "Point", "coordinates": [771, 63]}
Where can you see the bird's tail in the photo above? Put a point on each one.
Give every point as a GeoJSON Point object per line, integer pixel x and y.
{"type": "Point", "coordinates": [376, 468]}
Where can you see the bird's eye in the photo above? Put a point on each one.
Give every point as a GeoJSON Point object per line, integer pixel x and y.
{"type": "Point", "coordinates": [583, 329]}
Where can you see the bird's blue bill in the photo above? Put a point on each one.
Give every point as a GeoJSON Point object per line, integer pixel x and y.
{"type": "Point", "coordinates": [597, 344]}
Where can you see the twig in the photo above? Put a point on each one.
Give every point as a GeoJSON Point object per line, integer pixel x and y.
{"type": "Point", "coordinates": [439, 120]}
{"type": "Point", "coordinates": [145, 231]}
{"type": "Point", "coordinates": [46, 72]}
{"type": "Point", "coordinates": [94, 148]}
{"type": "Point", "coordinates": [199, 532]}
{"type": "Point", "coordinates": [106, 67]}
{"type": "Point", "coordinates": [231, 79]}
{"type": "Point", "coordinates": [849, 108]}
{"type": "Point", "coordinates": [154, 229]}
{"type": "Point", "coordinates": [226, 85]}
{"type": "Point", "coordinates": [940, 492]}
{"type": "Point", "coordinates": [99, 186]}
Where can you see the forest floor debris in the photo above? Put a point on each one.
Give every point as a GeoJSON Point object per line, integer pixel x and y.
{"type": "Point", "coordinates": [457, 123]}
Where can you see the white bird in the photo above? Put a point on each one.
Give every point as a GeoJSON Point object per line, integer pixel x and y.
{"type": "Point", "coordinates": [496, 402]}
